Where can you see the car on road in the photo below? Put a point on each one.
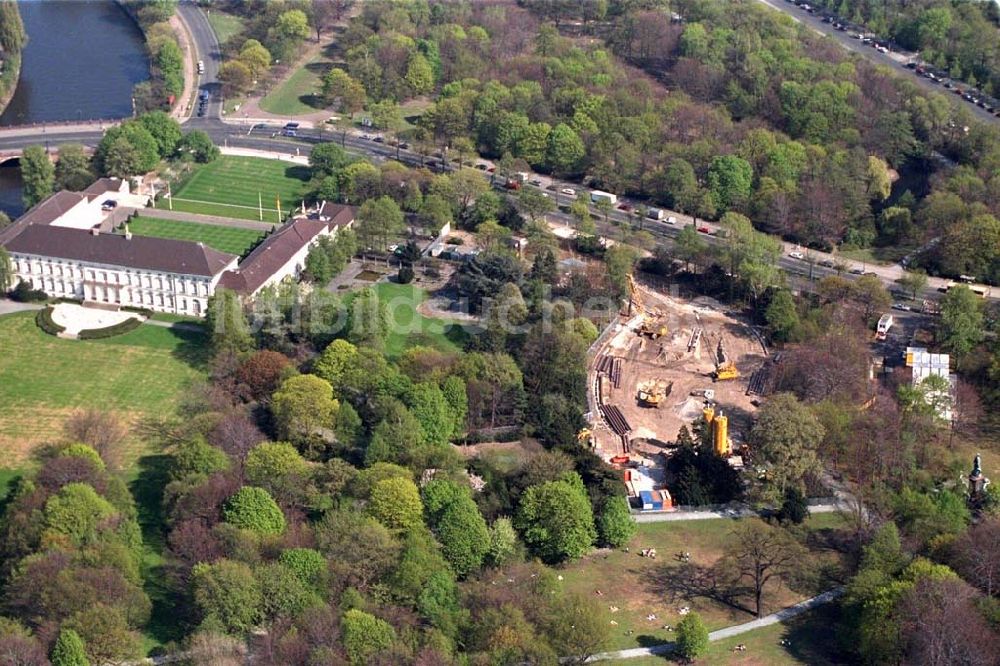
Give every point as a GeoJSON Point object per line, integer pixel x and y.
{"type": "Point", "coordinates": [625, 207]}
{"type": "Point", "coordinates": [536, 182]}
{"type": "Point", "coordinates": [857, 271]}
{"type": "Point", "coordinates": [795, 254]}
{"type": "Point", "coordinates": [705, 230]}
{"type": "Point", "coordinates": [826, 263]}
{"type": "Point", "coordinates": [491, 169]}
{"type": "Point", "coordinates": [481, 166]}
{"type": "Point", "coordinates": [378, 139]}
{"type": "Point", "coordinates": [901, 306]}
{"type": "Point", "coordinates": [568, 191]}
{"type": "Point", "coordinates": [671, 219]}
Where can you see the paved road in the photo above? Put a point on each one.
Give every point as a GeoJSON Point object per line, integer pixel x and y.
{"type": "Point", "coordinates": [894, 61]}
{"type": "Point", "coordinates": [250, 135]}
{"type": "Point", "coordinates": [8, 306]}
{"type": "Point", "coordinates": [708, 514]}
{"type": "Point", "coordinates": [728, 632]}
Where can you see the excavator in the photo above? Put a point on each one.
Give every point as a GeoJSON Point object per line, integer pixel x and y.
{"type": "Point", "coordinates": [651, 393]}
{"type": "Point", "coordinates": [725, 368]}
{"type": "Point", "coordinates": [649, 327]}
{"type": "Point", "coordinates": [585, 437]}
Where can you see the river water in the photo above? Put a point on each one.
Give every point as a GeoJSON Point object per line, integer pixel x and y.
{"type": "Point", "coordinates": [82, 60]}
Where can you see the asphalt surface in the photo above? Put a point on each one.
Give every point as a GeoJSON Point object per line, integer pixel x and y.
{"type": "Point", "coordinates": [894, 61]}
{"type": "Point", "coordinates": [267, 136]}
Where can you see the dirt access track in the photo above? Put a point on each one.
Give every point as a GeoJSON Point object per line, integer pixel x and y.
{"type": "Point", "coordinates": [684, 360]}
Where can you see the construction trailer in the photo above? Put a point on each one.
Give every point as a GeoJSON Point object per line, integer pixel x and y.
{"type": "Point", "coordinates": [885, 322]}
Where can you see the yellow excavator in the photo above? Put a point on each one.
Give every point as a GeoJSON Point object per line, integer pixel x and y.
{"type": "Point", "coordinates": [651, 393]}
{"type": "Point", "coordinates": [649, 327]}
{"type": "Point", "coordinates": [725, 368]}
{"type": "Point", "coordinates": [585, 437]}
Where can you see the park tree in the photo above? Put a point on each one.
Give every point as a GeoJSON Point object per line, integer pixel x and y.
{"type": "Point", "coordinates": [368, 320]}
{"type": "Point", "coordinates": [434, 213]}
{"type": "Point", "coordinates": [458, 525]}
{"type": "Point", "coordinates": [556, 519]}
{"type": "Point", "coordinates": [341, 89]}
{"type": "Point", "coordinates": [913, 281]}
{"type": "Point", "coordinates": [325, 159]}
{"type": "Point", "coordinates": [870, 296]}
{"type": "Point", "coordinates": [198, 145]}
{"type": "Point", "coordinates": [781, 316]}
{"type": "Point", "coordinates": [730, 179]}
{"type": "Point", "coordinates": [961, 320]}
{"type": "Point", "coordinates": [692, 637]}
{"type": "Point", "coordinates": [255, 57]}
{"type": "Point", "coordinates": [227, 323]}
{"type": "Point", "coordinates": [254, 509]}
{"type": "Point", "coordinates": [236, 77]}
{"type": "Point", "coordinates": [291, 28]}
{"type": "Point", "coordinates": [419, 75]}
{"type": "Point", "coordinates": [533, 203]}
{"type": "Point", "coordinates": [759, 553]}
{"type": "Point", "coordinates": [615, 525]}
{"type": "Point", "coordinates": [262, 372]}
{"type": "Point", "coordinates": [365, 636]}
{"type": "Point", "coordinates": [307, 564]}
{"type": "Point", "coordinates": [273, 465]}
{"type": "Point", "coordinates": [6, 271]}
{"type": "Point", "coordinates": [69, 650]}
{"type": "Point", "coordinates": [503, 542]}
{"type": "Point", "coordinates": [127, 150]}
{"type": "Point", "coordinates": [196, 456]}
{"type": "Point", "coordinates": [73, 170]}
{"type": "Point", "coordinates": [785, 438]}
{"type": "Point", "coordinates": [565, 149]}
{"type": "Point", "coordinates": [228, 596]}
{"type": "Point", "coordinates": [690, 246]}
{"type": "Point", "coordinates": [164, 129]}
{"type": "Point", "coordinates": [77, 512]}
{"type": "Point", "coordinates": [396, 504]}
{"type": "Point", "coordinates": [38, 175]}
{"type": "Point", "coordinates": [105, 633]}
{"type": "Point", "coordinates": [304, 406]}
{"type": "Point", "coordinates": [878, 183]}
{"type": "Point", "coordinates": [378, 221]}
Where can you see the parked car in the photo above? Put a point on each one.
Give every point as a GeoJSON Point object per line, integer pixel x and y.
{"type": "Point", "coordinates": [795, 254]}
{"type": "Point", "coordinates": [856, 271]}
{"type": "Point", "coordinates": [568, 191]}
{"type": "Point", "coordinates": [826, 263]}
{"type": "Point", "coordinates": [109, 204]}
{"type": "Point", "coordinates": [671, 220]}
{"type": "Point", "coordinates": [705, 230]}
{"type": "Point", "coordinates": [536, 182]}
{"type": "Point", "coordinates": [625, 207]}
{"type": "Point", "coordinates": [901, 306]}
{"type": "Point", "coordinates": [378, 139]}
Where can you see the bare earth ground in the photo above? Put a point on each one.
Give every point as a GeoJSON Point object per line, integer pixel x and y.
{"type": "Point", "coordinates": [668, 359]}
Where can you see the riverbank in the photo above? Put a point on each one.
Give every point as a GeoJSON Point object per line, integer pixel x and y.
{"type": "Point", "coordinates": [10, 75]}
{"type": "Point", "coordinates": [167, 80]}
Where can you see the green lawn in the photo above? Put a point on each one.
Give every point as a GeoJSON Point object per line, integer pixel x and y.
{"type": "Point", "coordinates": [298, 94]}
{"type": "Point", "coordinates": [408, 328]}
{"type": "Point", "coordinates": [230, 187]}
{"type": "Point", "coordinates": [640, 586]}
{"type": "Point", "coordinates": [225, 239]}
{"type": "Point", "coordinates": [226, 26]}
{"type": "Point", "coordinates": [45, 379]}
{"type": "Point", "coordinates": [809, 636]}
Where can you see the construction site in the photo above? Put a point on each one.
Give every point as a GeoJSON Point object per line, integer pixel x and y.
{"type": "Point", "coordinates": [670, 362]}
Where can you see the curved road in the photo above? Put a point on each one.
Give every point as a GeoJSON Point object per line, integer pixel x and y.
{"type": "Point", "coordinates": [265, 137]}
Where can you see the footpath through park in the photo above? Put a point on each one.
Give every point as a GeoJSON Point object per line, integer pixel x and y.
{"type": "Point", "coordinates": [728, 632]}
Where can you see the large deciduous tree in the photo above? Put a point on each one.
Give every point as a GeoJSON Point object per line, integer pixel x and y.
{"type": "Point", "coordinates": [556, 519]}
{"type": "Point", "coordinates": [38, 175]}
{"type": "Point", "coordinates": [784, 439]}
{"type": "Point", "coordinates": [759, 553]}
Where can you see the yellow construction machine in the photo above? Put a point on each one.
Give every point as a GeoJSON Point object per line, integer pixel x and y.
{"type": "Point", "coordinates": [585, 437]}
{"type": "Point", "coordinates": [726, 371]}
{"type": "Point", "coordinates": [649, 327]}
{"type": "Point", "coordinates": [651, 393]}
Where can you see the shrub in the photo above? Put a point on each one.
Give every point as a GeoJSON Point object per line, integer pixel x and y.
{"type": "Point", "coordinates": [365, 635]}
{"type": "Point", "coordinates": [145, 312]}
{"type": "Point", "coordinates": [307, 564]}
{"type": "Point", "coordinates": [255, 510]}
{"type": "Point", "coordinates": [110, 331]}
{"type": "Point", "coordinates": [692, 636]}
{"type": "Point", "coordinates": [396, 503]}
{"type": "Point", "coordinates": [83, 451]}
{"type": "Point", "coordinates": [405, 275]}
{"type": "Point", "coordinates": [23, 293]}
{"type": "Point", "coordinates": [44, 320]}
{"type": "Point", "coordinates": [68, 650]}
{"type": "Point", "coordinates": [615, 525]}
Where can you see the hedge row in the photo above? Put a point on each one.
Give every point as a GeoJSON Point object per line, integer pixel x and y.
{"type": "Point", "coordinates": [144, 312]}
{"type": "Point", "coordinates": [44, 320]}
{"type": "Point", "coordinates": [118, 329]}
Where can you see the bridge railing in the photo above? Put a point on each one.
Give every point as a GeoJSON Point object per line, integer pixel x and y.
{"type": "Point", "coordinates": [99, 122]}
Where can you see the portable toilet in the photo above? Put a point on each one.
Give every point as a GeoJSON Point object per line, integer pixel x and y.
{"type": "Point", "coordinates": [646, 499]}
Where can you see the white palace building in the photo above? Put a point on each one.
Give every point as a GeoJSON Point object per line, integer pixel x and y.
{"type": "Point", "coordinates": [65, 247]}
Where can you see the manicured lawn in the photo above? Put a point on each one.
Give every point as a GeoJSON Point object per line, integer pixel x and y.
{"type": "Point", "coordinates": [230, 187]}
{"type": "Point", "coordinates": [298, 94]}
{"type": "Point", "coordinates": [225, 25]}
{"type": "Point", "coordinates": [45, 379]}
{"type": "Point", "coordinates": [639, 586]}
{"type": "Point", "coordinates": [225, 239]}
{"type": "Point", "coordinates": [408, 328]}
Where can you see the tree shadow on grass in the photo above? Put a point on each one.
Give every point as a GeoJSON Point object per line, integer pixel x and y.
{"type": "Point", "coordinates": [690, 581]}
{"type": "Point", "coordinates": [811, 640]}
{"type": "Point", "coordinates": [154, 473]}
{"type": "Point", "coordinates": [192, 346]}
{"type": "Point", "coordinates": [299, 172]}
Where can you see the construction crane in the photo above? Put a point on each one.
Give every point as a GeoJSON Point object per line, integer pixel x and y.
{"type": "Point", "coordinates": [651, 393]}
{"type": "Point", "coordinates": [648, 327]}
